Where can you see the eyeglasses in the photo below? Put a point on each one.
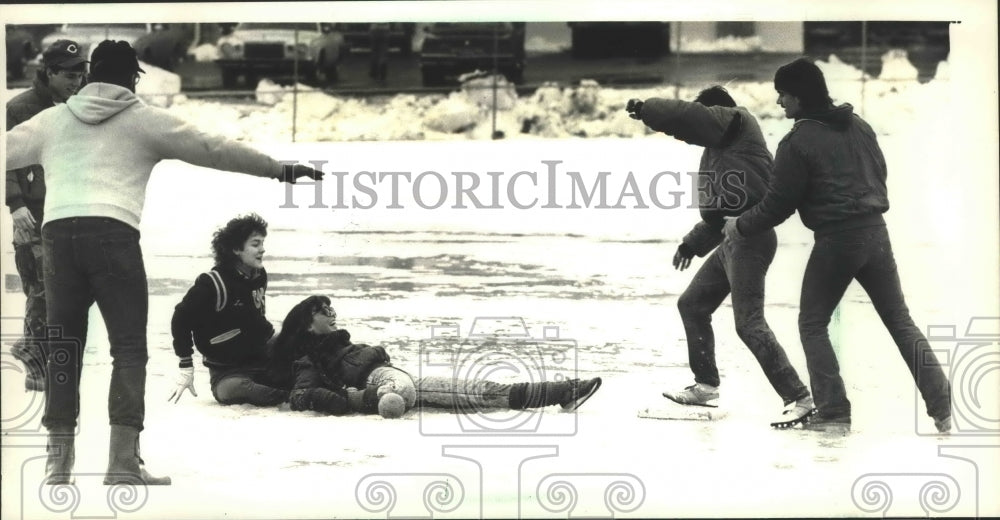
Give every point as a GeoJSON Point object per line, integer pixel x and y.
{"type": "Point", "coordinates": [326, 311]}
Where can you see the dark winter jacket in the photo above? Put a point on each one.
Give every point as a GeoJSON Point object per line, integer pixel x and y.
{"type": "Point", "coordinates": [26, 186]}
{"type": "Point", "coordinates": [224, 315]}
{"type": "Point", "coordinates": [342, 362]}
{"type": "Point", "coordinates": [830, 168]}
{"type": "Point", "coordinates": [735, 166]}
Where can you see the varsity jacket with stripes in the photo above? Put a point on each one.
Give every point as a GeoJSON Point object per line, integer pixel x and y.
{"type": "Point", "coordinates": [223, 316]}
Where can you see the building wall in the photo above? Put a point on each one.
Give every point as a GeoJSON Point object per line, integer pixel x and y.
{"type": "Point", "coordinates": [785, 37]}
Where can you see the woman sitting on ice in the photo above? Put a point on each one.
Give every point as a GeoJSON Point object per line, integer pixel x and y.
{"type": "Point", "coordinates": [335, 376]}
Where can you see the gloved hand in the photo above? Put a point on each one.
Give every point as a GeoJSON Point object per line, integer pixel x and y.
{"type": "Point", "coordinates": [634, 107]}
{"type": "Point", "coordinates": [185, 381]}
{"type": "Point", "coordinates": [682, 258]}
{"type": "Point", "coordinates": [290, 173]}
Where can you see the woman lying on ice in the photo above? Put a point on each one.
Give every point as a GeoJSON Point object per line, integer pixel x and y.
{"type": "Point", "coordinates": [335, 376]}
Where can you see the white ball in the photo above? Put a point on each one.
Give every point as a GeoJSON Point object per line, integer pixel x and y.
{"type": "Point", "coordinates": [391, 406]}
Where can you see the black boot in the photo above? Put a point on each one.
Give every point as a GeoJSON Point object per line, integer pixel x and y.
{"type": "Point", "coordinates": [61, 456]}
{"type": "Point", "coordinates": [30, 353]}
{"type": "Point", "coordinates": [125, 466]}
{"type": "Point", "coordinates": [567, 394]}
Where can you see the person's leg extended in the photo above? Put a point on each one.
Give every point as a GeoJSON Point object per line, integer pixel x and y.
{"type": "Point", "coordinates": [747, 267]}
{"type": "Point", "coordinates": [28, 258]}
{"type": "Point", "coordinates": [241, 388]}
{"type": "Point", "coordinates": [830, 269]}
{"type": "Point", "coordinates": [704, 294]}
{"type": "Point", "coordinates": [880, 279]}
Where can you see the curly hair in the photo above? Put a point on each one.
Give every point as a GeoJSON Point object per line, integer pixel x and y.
{"type": "Point", "coordinates": [234, 235]}
{"type": "Point", "coordinates": [295, 329]}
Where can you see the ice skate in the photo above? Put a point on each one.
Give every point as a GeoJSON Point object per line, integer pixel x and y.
{"type": "Point", "coordinates": [697, 394]}
{"type": "Point", "coordinates": [798, 412]}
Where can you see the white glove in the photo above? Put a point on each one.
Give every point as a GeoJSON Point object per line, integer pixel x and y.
{"type": "Point", "coordinates": [185, 381]}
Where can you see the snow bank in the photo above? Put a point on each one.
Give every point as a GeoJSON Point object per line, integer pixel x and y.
{"type": "Point", "coordinates": [725, 44]}
{"type": "Point", "coordinates": [158, 87]}
{"type": "Point", "coordinates": [586, 109]}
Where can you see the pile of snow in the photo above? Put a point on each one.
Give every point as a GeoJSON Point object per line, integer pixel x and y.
{"type": "Point", "coordinates": [206, 52]}
{"type": "Point", "coordinates": [587, 109]}
{"type": "Point", "coordinates": [158, 87]}
{"type": "Point", "coordinates": [540, 45]}
{"type": "Point", "coordinates": [725, 44]}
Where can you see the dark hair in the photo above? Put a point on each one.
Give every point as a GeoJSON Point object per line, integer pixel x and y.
{"type": "Point", "coordinates": [294, 332]}
{"type": "Point", "coordinates": [234, 235]}
{"type": "Point", "coordinates": [116, 63]}
{"type": "Point", "coordinates": [41, 73]}
{"type": "Point", "coordinates": [716, 95]}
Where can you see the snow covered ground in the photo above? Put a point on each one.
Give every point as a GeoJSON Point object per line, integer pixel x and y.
{"type": "Point", "coordinates": [598, 277]}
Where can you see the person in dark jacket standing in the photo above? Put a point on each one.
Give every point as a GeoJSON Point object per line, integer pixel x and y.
{"type": "Point", "coordinates": [62, 73]}
{"type": "Point", "coordinates": [337, 377]}
{"type": "Point", "coordinates": [830, 168]}
{"type": "Point", "coordinates": [98, 150]}
{"type": "Point", "coordinates": [223, 315]}
{"type": "Point", "coordinates": [734, 172]}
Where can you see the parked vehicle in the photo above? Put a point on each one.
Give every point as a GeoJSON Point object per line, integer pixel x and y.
{"type": "Point", "coordinates": [166, 45]}
{"type": "Point", "coordinates": [451, 49]}
{"type": "Point", "coordinates": [275, 49]}
{"type": "Point", "coordinates": [21, 49]}
{"type": "Point", "coordinates": [358, 36]}
{"type": "Point", "coordinates": [88, 35]}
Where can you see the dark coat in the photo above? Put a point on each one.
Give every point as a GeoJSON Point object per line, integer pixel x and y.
{"type": "Point", "coordinates": [26, 186]}
{"type": "Point", "coordinates": [830, 168]}
{"type": "Point", "coordinates": [735, 166]}
{"type": "Point", "coordinates": [223, 315]}
{"type": "Point", "coordinates": [343, 363]}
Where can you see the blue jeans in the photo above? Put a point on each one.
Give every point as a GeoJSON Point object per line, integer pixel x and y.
{"type": "Point", "coordinates": [87, 260]}
{"type": "Point", "coordinates": [864, 255]}
{"type": "Point", "coordinates": [737, 267]}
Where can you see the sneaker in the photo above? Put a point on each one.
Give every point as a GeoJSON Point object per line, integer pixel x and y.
{"type": "Point", "coordinates": [795, 413]}
{"type": "Point", "coordinates": [582, 390]}
{"type": "Point", "coordinates": [943, 425]}
{"type": "Point", "coordinates": [697, 394]}
{"type": "Point", "coordinates": [820, 423]}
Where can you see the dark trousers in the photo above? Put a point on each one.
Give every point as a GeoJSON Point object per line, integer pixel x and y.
{"type": "Point", "coordinates": [864, 255]}
{"type": "Point", "coordinates": [737, 267]}
{"type": "Point", "coordinates": [87, 260]}
{"type": "Point", "coordinates": [245, 385]}
{"type": "Point", "coordinates": [29, 263]}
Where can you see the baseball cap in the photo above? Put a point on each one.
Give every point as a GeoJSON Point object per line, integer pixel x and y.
{"type": "Point", "coordinates": [63, 54]}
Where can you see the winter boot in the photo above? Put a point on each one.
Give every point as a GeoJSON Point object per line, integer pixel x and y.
{"type": "Point", "coordinates": [698, 394]}
{"type": "Point", "coordinates": [34, 364]}
{"type": "Point", "coordinates": [125, 466]}
{"type": "Point", "coordinates": [61, 456]}
{"type": "Point", "coordinates": [567, 394]}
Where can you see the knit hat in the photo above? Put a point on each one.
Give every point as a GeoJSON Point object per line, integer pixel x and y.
{"type": "Point", "coordinates": [63, 54]}
{"type": "Point", "coordinates": [803, 79]}
{"type": "Point", "coordinates": [112, 58]}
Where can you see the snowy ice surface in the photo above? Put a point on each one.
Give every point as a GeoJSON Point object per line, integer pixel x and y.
{"type": "Point", "coordinates": [599, 277]}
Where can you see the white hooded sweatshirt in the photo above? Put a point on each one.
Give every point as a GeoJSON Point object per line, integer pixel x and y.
{"type": "Point", "coordinates": [99, 148]}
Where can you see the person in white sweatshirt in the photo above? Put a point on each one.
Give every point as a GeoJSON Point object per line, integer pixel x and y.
{"type": "Point", "coordinates": [98, 151]}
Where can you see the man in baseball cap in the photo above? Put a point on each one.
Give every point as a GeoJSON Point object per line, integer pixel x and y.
{"type": "Point", "coordinates": [59, 78]}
